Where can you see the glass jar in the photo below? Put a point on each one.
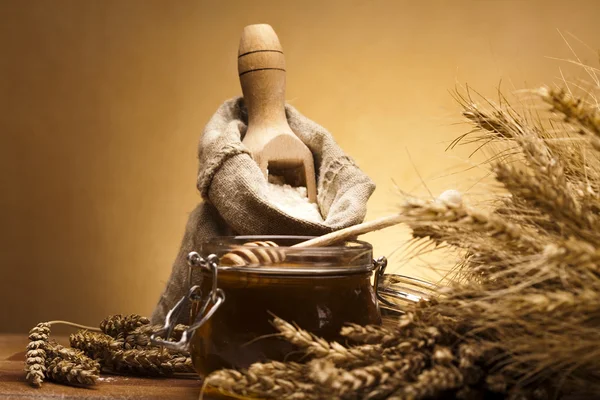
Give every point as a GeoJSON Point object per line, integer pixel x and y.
{"type": "Point", "coordinates": [320, 289]}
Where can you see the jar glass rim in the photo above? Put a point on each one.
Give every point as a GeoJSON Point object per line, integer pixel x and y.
{"type": "Point", "coordinates": [350, 256]}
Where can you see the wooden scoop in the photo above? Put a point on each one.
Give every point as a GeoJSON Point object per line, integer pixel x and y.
{"type": "Point", "coordinates": [281, 156]}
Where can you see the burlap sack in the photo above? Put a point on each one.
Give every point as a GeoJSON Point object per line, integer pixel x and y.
{"type": "Point", "coordinates": [234, 191]}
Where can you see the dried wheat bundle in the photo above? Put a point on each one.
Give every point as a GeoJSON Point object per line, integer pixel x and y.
{"type": "Point", "coordinates": [408, 361]}
{"type": "Point", "coordinates": [46, 359]}
{"type": "Point", "coordinates": [121, 345]}
{"type": "Point", "coordinates": [520, 315]}
{"type": "Point", "coordinates": [540, 307]}
{"type": "Point", "coordinates": [124, 347]}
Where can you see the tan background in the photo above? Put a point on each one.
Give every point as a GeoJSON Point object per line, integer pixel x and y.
{"type": "Point", "coordinates": [102, 104]}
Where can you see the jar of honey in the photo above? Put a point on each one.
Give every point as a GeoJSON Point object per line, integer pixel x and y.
{"type": "Point", "coordinates": [320, 289]}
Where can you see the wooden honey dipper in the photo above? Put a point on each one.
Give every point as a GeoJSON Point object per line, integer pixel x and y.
{"type": "Point", "coordinates": [267, 252]}
{"type": "Point", "coordinates": [269, 138]}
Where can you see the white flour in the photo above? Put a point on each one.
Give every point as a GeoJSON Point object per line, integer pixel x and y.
{"type": "Point", "coordinates": [293, 201]}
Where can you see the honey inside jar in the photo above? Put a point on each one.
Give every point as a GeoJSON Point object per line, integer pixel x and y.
{"type": "Point", "coordinates": [319, 289]}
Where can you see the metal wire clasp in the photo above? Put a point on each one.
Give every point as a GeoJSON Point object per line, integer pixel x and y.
{"type": "Point", "coordinates": [207, 308]}
{"type": "Point", "coordinates": [380, 266]}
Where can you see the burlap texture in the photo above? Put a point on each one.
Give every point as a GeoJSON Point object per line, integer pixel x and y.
{"type": "Point", "coordinates": [234, 191]}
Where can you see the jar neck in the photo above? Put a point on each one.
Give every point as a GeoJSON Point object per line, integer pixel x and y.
{"type": "Point", "coordinates": [241, 279]}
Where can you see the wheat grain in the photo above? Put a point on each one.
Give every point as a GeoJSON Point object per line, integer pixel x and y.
{"type": "Point", "coordinates": [93, 344]}
{"type": "Point", "coordinates": [37, 349]}
{"type": "Point", "coordinates": [78, 357]}
{"type": "Point", "coordinates": [148, 362]}
{"type": "Point", "coordinates": [369, 334]}
{"type": "Point", "coordinates": [114, 325]}
{"type": "Point", "coordinates": [253, 384]}
{"type": "Point", "coordinates": [64, 371]}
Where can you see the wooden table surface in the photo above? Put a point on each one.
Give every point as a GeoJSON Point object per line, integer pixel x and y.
{"type": "Point", "coordinates": [14, 386]}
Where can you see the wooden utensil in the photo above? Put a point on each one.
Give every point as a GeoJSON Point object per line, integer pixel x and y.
{"type": "Point", "coordinates": [267, 252]}
{"type": "Point", "coordinates": [280, 154]}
